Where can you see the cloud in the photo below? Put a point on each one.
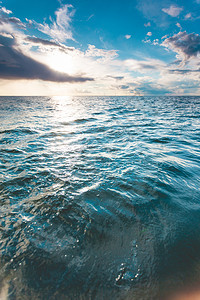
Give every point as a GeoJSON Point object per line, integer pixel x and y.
{"type": "Point", "coordinates": [123, 87]}
{"type": "Point", "coordinates": [127, 36]}
{"type": "Point", "coordinates": [37, 40]}
{"type": "Point", "coordinates": [59, 29]}
{"type": "Point", "coordinates": [146, 41]}
{"type": "Point", "coordinates": [42, 63]}
{"type": "Point", "coordinates": [179, 25]}
{"type": "Point", "coordinates": [143, 66]}
{"type": "Point", "coordinates": [173, 10]}
{"type": "Point", "coordinates": [149, 33]}
{"type": "Point", "coordinates": [12, 21]}
{"type": "Point", "coordinates": [152, 88]}
{"type": "Point", "coordinates": [5, 11]}
{"type": "Point", "coordinates": [187, 46]}
{"type": "Point", "coordinates": [116, 77]}
{"type": "Point", "coordinates": [43, 42]}
{"type": "Point", "coordinates": [90, 17]}
{"type": "Point", "coordinates": [188, 16]}
{"type": "Point", "coordinates": [101, 53]}
{"type": "Point", "coordinates": [14, 64]}
{"type": "Point", "coordinates": [147, 24]}
{"type": "Point", "coordinates": [184, 71]}
{"type": "Point", "coordinates": [155, 42]}
{"type": "Point", "coordinates": [151, 11]}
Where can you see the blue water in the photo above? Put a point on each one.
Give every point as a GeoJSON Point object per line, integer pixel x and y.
{"type": "Point", "coordinates": [100, 197]}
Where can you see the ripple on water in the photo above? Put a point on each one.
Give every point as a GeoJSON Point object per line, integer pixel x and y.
{"type": "Point", "coordinates": [99, 197]}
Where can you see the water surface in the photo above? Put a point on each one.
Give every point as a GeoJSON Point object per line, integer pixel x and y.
{"type": "Point", "coordinates": [100, 197]}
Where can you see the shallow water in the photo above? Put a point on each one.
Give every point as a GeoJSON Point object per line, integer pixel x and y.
{"type": "Point", "coordinates": [100, 197]}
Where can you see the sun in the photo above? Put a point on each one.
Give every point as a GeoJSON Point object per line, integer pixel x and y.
{"type": "Point", "coordinates": [61, 62]}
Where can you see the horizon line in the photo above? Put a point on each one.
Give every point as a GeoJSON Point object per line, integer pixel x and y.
{"type": "Point", "coordinates": [171, 95]}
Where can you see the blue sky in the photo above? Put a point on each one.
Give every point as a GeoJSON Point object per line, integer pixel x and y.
{"type": "Point", "coordinates": [141, 47]}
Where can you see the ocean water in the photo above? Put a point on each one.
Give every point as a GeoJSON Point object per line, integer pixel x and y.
{"type": "Point", "coordinates": [99, 197]}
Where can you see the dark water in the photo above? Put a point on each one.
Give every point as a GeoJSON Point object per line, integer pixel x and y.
{"type": "Point", "coordinates": [100, 197]}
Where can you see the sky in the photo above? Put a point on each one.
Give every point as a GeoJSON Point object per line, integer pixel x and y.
{"type": "Point", "coordinates": [129, 47]}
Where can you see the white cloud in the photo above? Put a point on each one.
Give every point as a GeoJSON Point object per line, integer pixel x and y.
{"type": "Point", "coordinates": [173, 10]}
{"type": "Point", "coordinates": [127, 36]}
{"type": "Point", "coordinates": [152, 9]}
{"type": "Point", "coordinates": [92, 51]}
{"type": "Point", "coordinates": [156, 42]}
{"type": "Point", "coordinates": [146, 41]}
{"type": "Point", "coordinates": [90, 17]}
{"type": "Point", "coordinates": [149, 33]}
{"type": "Point", "coordinates": [11, 26]}
{"type": "Point", "coordinates": [188, 16]}
{"type": "Point", "coordinates": [147, 24]}
{"type": "Point", "coordinates": [29, 21]}
{"type": "Point", "coordinates": [179, 25]}
{"type": "Point", "coordinates": [5, 11]}
{"type": "Point", "coordinates": [60, 29]}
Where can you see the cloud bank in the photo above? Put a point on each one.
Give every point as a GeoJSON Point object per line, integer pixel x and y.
{"type": "Point", "coordinates": [14, 64]}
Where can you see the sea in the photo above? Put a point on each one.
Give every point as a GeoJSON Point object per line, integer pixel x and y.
{"type": "Point", "coordinates": [99, 197]}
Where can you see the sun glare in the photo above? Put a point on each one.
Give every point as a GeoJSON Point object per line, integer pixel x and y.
{"type": "Point", "coordinates": [62, 62]}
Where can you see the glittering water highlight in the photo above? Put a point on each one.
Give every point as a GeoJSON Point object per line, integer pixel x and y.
{"type": "Point", "coordinates": [100, 197]}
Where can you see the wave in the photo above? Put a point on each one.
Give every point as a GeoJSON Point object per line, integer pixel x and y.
{"type": "Point", "coordinates": [99, 197]}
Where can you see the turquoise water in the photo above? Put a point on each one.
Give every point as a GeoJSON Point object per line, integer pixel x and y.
{"type": "Point", "coordinates": [100, 197]}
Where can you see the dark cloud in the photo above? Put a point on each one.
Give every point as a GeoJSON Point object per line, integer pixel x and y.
{"type": "Point", "coordinates": [184, 71]}
{"type": "Point", "coordinates": [12, 20]}
{"type": "Point", "coordinates": [36, 40]}
{"type": "Point", "coordinates": [176, 62]}
{"type": "Point", "coordinates": [121, 87]}
{"type": "Point", "coordinates": [124, 87]}
{"type": "Point", "coordinates": [187, 45]}
{"type": "Point", "coordinates": [116, 77]}
{"type": "Point", "coordinates": [147, 66]}
{"type": "Point", "coordinates": [16, 65]}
